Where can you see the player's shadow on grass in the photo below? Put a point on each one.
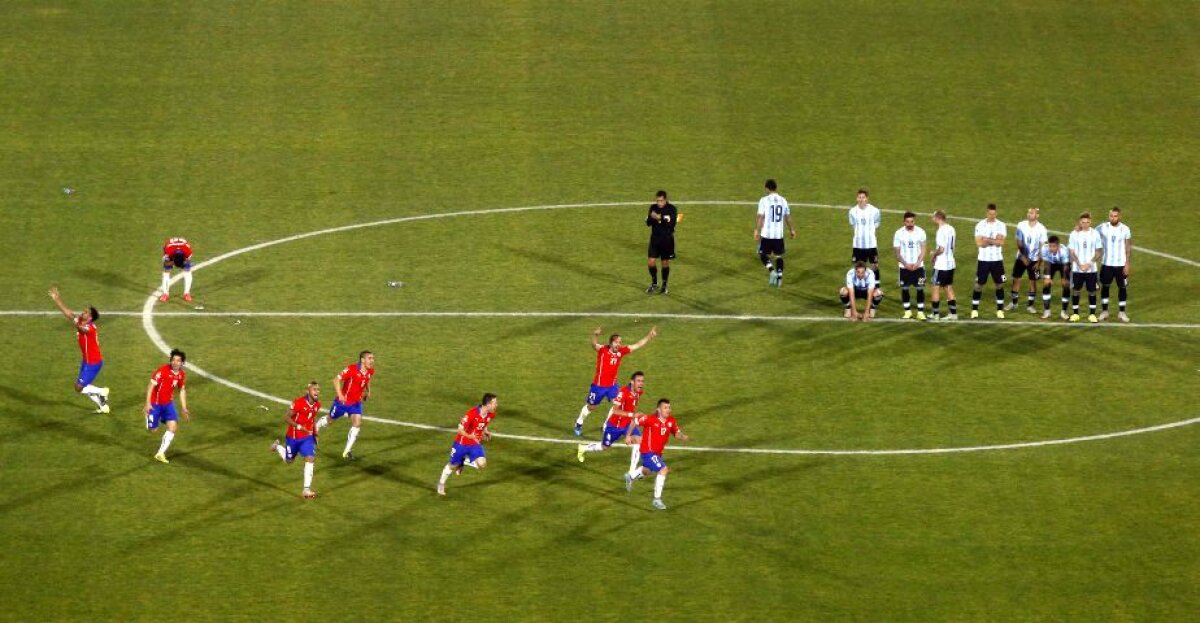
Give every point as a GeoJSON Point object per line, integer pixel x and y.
{"type": "Point", "coordinates": [190, 459]}
{"type": "Point", "coordinates": [727, 487]}
{"type": "Point", "coordinates": [30, 399]}
{"type": "Point", "coordinates": [564, 261]}
{"type": "Point", "coordinates": [115, 280]}
{"type": "Point", "coordinates": [58, 488]}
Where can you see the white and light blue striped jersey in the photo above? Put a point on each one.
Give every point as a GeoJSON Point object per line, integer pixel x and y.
{"type": "Point", "coordinates": [1062, 257]}
{"type": "Point", "coordinates": [865, 221]}
{"type": "Point", "coordinates": [1030, 239]}
{"type": "Point", "coordinates": [1084, 244]}
{"type": "Point", "coordinates": [946, 240]}
{"type": "Point", "coordinates": [866, 282]}
{"type": "Point", "coordinates": [995, 229]}
{"type": "Point", "coordinates": [909, 243]}
{"type": "Point", "coordinates": [1114, 243]}
{"type": "Point", "coordinates": [773, 208]}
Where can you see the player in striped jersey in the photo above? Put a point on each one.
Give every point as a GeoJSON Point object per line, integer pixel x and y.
{"type": "Point", "coordinates": [910, 248]}
{"type": "Point", "coordinates": [864, 220]}
{"type": "Point", "coordinates": [860, 286]}
{"type": "Point", "coordinates": [1118, 247]}
{"type": "Point", "coordinates": [1056, 260]}
{"type": "Point", "coordinates": [1031, 235]}
{"type": "Point", "coordinates": [943, 267]}
{"type": "Point", "coordinates": [773, 214]}
{"type": "Point", "coordinates": [1086, 247]}
{"type": "Point", "coordinates": [989, 237]}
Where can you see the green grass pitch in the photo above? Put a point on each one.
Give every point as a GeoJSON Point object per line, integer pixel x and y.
{"type": "Point", "coordinates": [240, 123]}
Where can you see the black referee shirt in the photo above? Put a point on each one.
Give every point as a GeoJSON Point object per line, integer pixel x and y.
{"type": "Point", "coordinates": [666, 227]}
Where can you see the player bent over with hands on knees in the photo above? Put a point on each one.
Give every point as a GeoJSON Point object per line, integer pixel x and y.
{"type": "Point", "coordinates": [468, 443]}
{"type": "Point", "coordinates": [301, 436]}
{"type": "Point", "coordinates": [89, 348]}
{"type": "Point", "coordinates": [1056, 260]}
{"type": "Point", "coordinates": [620, 416]}
{"type": "Point", "coordinates": [656, 429]}
{"type": "Point", "coordinates": [860, 285]}
{"type": "Point", "coordinates": [177, 253]}
{"type": "Point", "coordinates": [160, 401]}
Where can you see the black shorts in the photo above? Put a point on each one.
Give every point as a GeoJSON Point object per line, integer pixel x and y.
{"type": "Point", "coordinates": [869, 256]}
{"type": "Point", "coordinates": [1020, 269]}
{"type": "Point", "coordinates": [861, 295]}
{"type": "Point", "coordinates": [912, 277]}
{"type": "Point", "coordinates": [943, 277]}
{"type": "Point", "coordinates": [1058, 269]}
{"type": "Point", "coordinates": [1108, 274]}
{"type": "Point", "coordinates": [771, 246]}
{"type": "Point", "coordinates": [1081, 280]}
{"type": "Point", "coordinates": [993, 269]}
{"type": "Point", "coordinates": [661, 248]}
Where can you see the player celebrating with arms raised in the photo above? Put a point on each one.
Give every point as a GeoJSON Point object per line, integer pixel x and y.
{"type": "Point", "coordinates": [656, 428]}
{"type": "Point", "coordinates": [623, 411]}
{"type": "Point", "coordinates": [472, 432]}
{"type": "Point", "coordinates": [301, 435]}
{"type": "Point", "coordinates": [89, 347]}
{"type": "Point", "coordinates": [177, 253]}
{"type": "Point", "coordinates": [353, 386]}
{"type": "Point", "coordinates": [608, 362]}
{"type": "Point", "coordinates": [160, 401]}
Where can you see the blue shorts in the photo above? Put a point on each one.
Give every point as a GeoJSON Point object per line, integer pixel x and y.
{"type": "Point", "coordinates": [613, 434]}
{"type": "Point", "coordinates": [652, 461]}
{"type": "Point", "coordinates": [598, 393]}
{"type": "Point", "coordinates": [159, 414]}
{"type": "Point", "coordinates": [460, 453]}
{"type": "Point", "coordinates": [338, 409]}
{"type": "Point", "coordinates": [88, 372]}
{"type": "Point", "coordinates": [306, 447]}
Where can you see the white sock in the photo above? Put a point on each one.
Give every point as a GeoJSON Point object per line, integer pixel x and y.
{"type": "Point", "coordinates": [308, 474]}
{"type": "Point", "coordinates": [187, 282]}
{"type": "Point", "coordinates": [322, 423]}
{"type": "Point", "coordinates": [583, 413]}
{"type": "Point", "coordinates": [93, 397]}
{"type": "Point", "coordinates": [636, 473]}
{"type": "Point", "coordinates": [446, 471]}
{"type": "Point", "coordinates": [166, 283]}
{"type": "Point", "coordinates": [90, 389]}
{"type": "Point", "coordinates": [634, 458]}
{"type": "Point", "coordinates": [282, 452]}
{"type": "Point", "coordinates": [659, 481]}
{"type": "Point", "coordinates": [595, 446]}
{"type": "Point", "coordinates": [350, 437]}
{"type": "Point", "coordinates": [166, 442]}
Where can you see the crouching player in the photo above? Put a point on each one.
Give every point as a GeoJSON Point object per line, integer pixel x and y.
{"type": "Point", "coordinates": [468, 443]}
{"type": "Point", "coordinates": [177, 253]}
{"type": "Point", "coordinates": [621, 415]}
{"type": "Point", "coordinates": [160, 401]}
{"type": "Point", "coordinates": [656, 427]}
{"type": "Point", "coordinates": [1056, 260]}
{"type": "Point", "coordinates": [301, 435]}
{"type": "Point", "coordinates": [860, 285]}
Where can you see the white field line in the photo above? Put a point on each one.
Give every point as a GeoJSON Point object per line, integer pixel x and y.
{"type": "Point", "coordinates": [147, 315]}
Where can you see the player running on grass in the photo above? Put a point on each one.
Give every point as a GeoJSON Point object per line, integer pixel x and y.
{"type": "Point", "coordinates": [623, 411]}
{"type": "Point", "coordinates": [160, 401]}
{"type": "Point", "coordinates": [177, 253]}
{"type": "Point", "coordinates": [657, 427]}
{"type": "Point", "coordinates": [353, 386]}
{"type": "Point", "coordinates": [89, 347]}
{"type": "Point", "coordinates": [301, 436]}
{"type": "Point", "coordinates": [468, 443]}
{"type": "Point", "coordinates": [608, 362]}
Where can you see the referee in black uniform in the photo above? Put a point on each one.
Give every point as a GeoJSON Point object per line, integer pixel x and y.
{"type": "Point", "coordinates": [661, 220]}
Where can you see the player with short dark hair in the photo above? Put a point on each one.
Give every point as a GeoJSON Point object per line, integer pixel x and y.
{"type": "Point", "coordinates": [865, 219]}
{"type": "Point", "coordinates": [656, 429]}
{"type": "Point", "coordinates": [353, 387]}
{"type": "Point", "coordinates": [1031, 235]}
{"type": "Point", "coordinates": [1118, 249]}
{"type": "Point", "coordinates": [608, 362]}
{"type": "Point", "coordinates": [860, 286]}
{"type": "Point", "coordinates": [622, 413]}
{"type": "Point", "coordinates": [89, 347]}
{"type": "Point", "coordinates": [661, 218]}
{"type": "Point", "coordinates": [773, 214]}
{"type": "Point", "coordinates": [177, 253]}
{"type": "Point", "coordinates": [160, 400]}
{"type": "Point", "coordinates": [989, 237]}
{"type": "Point", "coordinates": [943, 267]}
{"type": "Point", "coordinates": [1086, 248]}
{"type": "Point", "coordinates": [910, 248]}
{"type": "Point", "coordinates": [301, 435]}
{"type": "Point", "coordinates": [1056, 260]}
{"type": "Point", "coordinates": [468, 443]}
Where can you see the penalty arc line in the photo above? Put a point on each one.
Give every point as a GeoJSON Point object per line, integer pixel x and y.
{"type": "Point", "coordinates": [152, 332]}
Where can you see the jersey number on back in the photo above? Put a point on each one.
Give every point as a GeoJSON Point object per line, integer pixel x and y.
{"type": "Point", "coordinates": [776, 213]}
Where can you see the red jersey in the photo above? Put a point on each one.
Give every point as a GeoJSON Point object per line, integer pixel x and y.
{"type": "Point", "coordinates": [165, 381]}
{"type": "Point", "coordinates": [607, 364]}
{"type": "Point", "coordinates": [626, 401]}
{"type": "Point", "coordinates": [89, 342]}
{"type": "Point", "coordinates": [655, 432]}
{"type": "Point", "coordinates": [354, 382]}
{"type": "Point", "coordinates": [175, 245]}
{"type": "Point", "coordinates": [304, 413]}
{"type": "Point", "coordinates": [473, 422]}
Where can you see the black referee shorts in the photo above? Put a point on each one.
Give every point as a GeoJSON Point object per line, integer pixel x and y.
{"type": "Point", "coordinates": [661, 248]}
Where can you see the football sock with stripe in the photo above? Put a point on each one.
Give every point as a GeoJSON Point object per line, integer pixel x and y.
{"type": "Point", "coordinates": [1075, 302]}
{"type": "Point", "coordinates": [1046, 298]}
{"type": "Point", "coordinates": [1000, 299]}
{"type": "Point", "coordinates": [953, 306]}
{"type": "Point", "coordinates": [1092, 302]}
{"type": "Point", "coordinates": [1066, 296]}
{"type": "Point", "coordinates": [920, 298]}
{"type": "Point", "coordinates": [935, 306]}
{"type": "Point", "coordinates": [1122, 295]}
{"type": "Point", "coordinates": [904, 298]}
{"type": "Point", "coordinates": [1104, 291]}
{"type": "Point", "coordinates": [975, 296]}
{"type": "Point", "coordinates": [845, 301]}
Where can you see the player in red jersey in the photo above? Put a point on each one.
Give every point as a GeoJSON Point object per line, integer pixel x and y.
{"type": "Point", "coordinates": [608, 362]}
{"type": "Point", "coordinates": [177, 253]}
{"type": "Point", "coordinates": [301, 435]}
{"type": "Point", "coordinates": [656, 428]}
{"type": "Point", "coordinates": [620, 416]}
{"type": "Point", "coordinates": [160, 401]}
{"type": "Point", "coordinates": [468, 443]}
{"type": "Point", "coordinates": [353, 386]}
{"type": "Point", "coordinates": [89, 347]}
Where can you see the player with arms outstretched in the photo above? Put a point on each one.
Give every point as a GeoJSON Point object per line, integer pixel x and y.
{"type": "Point", "coordinates": [353, 386]}
{"type": "Point", "coordinates": [89, 347]}
{"type": "Point", "coordinates": [656, 429]}
{"type": "Point", "coordinates": [468, 443]}
{"type": "Point", "coordinates": [177, 253]}
{"type": "Point", "coordinates": [608, 362]}
{"type": "Point", "coordinates": [623, 411]}
{"type": "Point", "coordinates": [160, 401]}
{"type": "Point", "coordinates": [301, 436]}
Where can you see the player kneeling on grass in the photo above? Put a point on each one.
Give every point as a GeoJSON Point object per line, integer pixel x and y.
{"type": "Point", "coordinates": [656, 428]}
{"type": "Point", "coordinates": [301, 436]}
{"type": "Point", "coordinates": [860, 286]}
{"type": "Point", "coordinates": [468, 443]}
{"type": "Point", "coordinates": [623, 411]}
{"type": "Point", "coordinates": [160, 401]}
